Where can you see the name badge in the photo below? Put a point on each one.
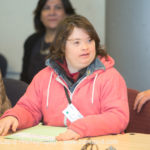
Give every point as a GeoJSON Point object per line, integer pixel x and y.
{"type": "Point", "coordinates": [72, 113]}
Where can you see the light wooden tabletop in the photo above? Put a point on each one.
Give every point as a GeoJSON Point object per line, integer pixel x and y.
{"type": "Point", "coordinates": [119, 142]}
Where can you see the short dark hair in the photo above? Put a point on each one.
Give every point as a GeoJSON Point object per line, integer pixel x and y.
{"type": "Point", "coordinates": [65, 28]}
{"type": "Point", "coordinates": [38, 25]}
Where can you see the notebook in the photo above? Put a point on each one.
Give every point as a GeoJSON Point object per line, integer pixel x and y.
{"type": "Point", "coordinates": [39, 133]}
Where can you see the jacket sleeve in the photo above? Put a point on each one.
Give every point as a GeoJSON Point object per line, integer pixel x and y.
{"type": "Point", "coordinates": [28, 108]}
{"type": "Point", "coordinates": [114, 113]}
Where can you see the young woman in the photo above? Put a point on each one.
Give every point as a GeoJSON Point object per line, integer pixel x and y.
{"type": "Point", "coordinates": [79, 88]}
{"type": "Point", "coordinates": [47, 16]}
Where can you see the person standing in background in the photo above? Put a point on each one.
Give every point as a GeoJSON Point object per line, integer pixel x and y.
{"type": "Point", "coordinates": [47, 15]}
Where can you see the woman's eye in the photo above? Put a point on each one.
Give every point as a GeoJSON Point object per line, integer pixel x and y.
{"type": "Point", "coordinates": [58, 7]}
{"type": "Point", "coordinates": [90, 40]}
{"type": "Point", "coordinates": [76, 42]}
{"type": "Point", "coordinates": [46, 8]}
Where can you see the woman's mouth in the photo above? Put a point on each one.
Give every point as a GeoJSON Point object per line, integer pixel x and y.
{"type": "Point", "coordinates": [84, 55]}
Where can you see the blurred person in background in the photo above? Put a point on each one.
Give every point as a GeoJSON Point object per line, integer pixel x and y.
{"type": "Point", "coordinates": [47, 15]}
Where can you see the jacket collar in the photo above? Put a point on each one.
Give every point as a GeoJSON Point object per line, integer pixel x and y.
{"type": "Point", "coordinates": [95, 65]}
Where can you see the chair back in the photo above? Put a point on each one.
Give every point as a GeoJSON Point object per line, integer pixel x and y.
{"type": "Point", "coordinates": [139, 122]}
{"type": "Point", "coordinates": [14, 89]}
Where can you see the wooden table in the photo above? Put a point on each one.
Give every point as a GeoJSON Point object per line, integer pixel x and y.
{"type": "Point", "coordinates": [120, 142]}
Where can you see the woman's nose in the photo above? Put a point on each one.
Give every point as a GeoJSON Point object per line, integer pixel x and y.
{"type": "Point", "coordinates": [52, 11]}
{"type": "Point", "coordinates": [84, 45]}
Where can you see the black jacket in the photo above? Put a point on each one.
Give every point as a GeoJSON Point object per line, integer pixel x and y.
{"type": "Point", "coordinates": [28, 48]}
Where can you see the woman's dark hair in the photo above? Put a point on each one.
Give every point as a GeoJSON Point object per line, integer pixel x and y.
{"type": "Point", "coordinates": [39, 27]}
{"type": "Point", "coordinates": [64, 30]}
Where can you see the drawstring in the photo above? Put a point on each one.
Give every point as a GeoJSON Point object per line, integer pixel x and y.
{"type": "Point", "coordinates": [92, 100]}
{"type": "Point", "coordinates": [48, 89]}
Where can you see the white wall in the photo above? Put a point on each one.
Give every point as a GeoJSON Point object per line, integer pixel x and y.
{"type": "Point", "coordinates": [15, 26]}
{"type": "Point", "coordinates": [128, 39]}
{"type": "Point", "coordinates": [17, 23]}
{"type": "Point", "coordinates": [94, 10]}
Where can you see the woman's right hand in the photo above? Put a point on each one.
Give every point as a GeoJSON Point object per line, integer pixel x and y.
{"type": "Point", "coordinates": [8, 123]}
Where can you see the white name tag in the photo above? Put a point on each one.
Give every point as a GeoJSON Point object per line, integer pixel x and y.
{"type": "Point", "coordinates": [72, 113]}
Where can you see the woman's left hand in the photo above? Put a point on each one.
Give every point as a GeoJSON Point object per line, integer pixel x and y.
{"type": "Point", "coordinates": [68, 135]}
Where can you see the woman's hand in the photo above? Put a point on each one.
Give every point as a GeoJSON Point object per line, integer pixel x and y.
{"type": "Point", "coordinates": [141, 99]}
{"type": "Point", "coordinates": [8, 123]}
{"type": "Point", "coordinates": [68, 135]}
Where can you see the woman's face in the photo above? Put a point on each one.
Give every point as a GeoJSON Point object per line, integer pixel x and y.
{"type": "Point", "coordinates": [80, 49]}
{"type": "Point", "coordinates": [52, 13]}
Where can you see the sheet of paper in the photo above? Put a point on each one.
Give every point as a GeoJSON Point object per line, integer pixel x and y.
{"type": "Point", "coordinates": [40, 133]}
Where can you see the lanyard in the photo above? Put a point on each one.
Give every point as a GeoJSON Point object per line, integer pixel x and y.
{"type": "Point", "coordinates": [67, 95]}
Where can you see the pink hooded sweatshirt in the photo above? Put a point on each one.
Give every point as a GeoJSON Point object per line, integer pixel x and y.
{"type": "Point", "coordinates": [100, 97]}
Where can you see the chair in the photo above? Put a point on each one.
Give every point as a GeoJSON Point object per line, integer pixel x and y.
{"type": "Point", "coordinates": [14, 89]}
{"type": "Point", "coordinates": [139, 122]}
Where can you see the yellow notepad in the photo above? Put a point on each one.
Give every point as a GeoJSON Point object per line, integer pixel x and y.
{"type": "Point", "coordinates": [40, 133]}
